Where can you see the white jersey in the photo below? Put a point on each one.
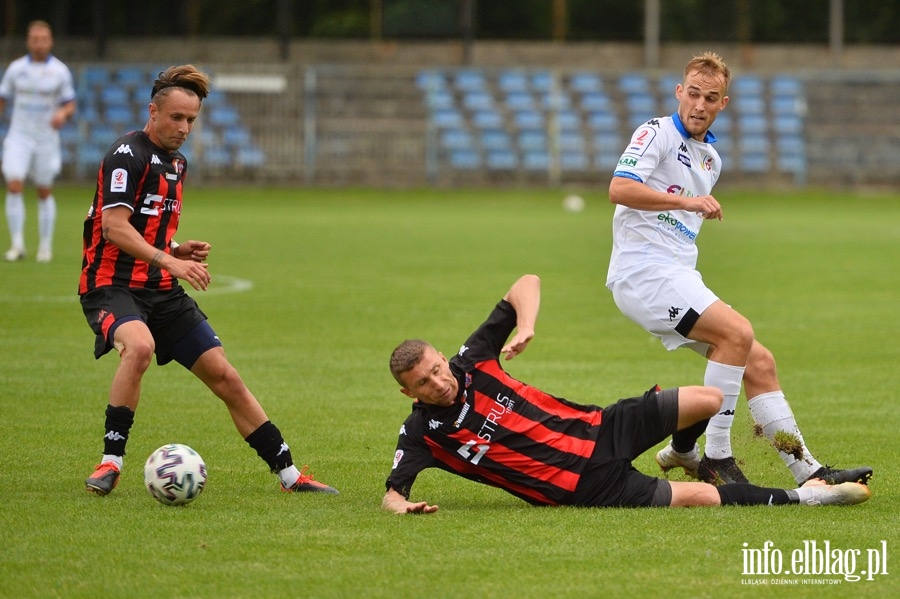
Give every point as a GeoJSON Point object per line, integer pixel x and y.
{"type": "Point", "coordinates": [36, 89]}
{"type": "Point", "coordinates": [663, 156]}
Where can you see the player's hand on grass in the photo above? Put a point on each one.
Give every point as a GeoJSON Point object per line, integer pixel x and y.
{"type": "Point", "coordinates": [397, 503]}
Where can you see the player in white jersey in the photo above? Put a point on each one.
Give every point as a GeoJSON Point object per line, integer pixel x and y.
{"type": "Point", "coordinates": [40, 88]}
{"type": "Point", "coordinates": [662, 190]}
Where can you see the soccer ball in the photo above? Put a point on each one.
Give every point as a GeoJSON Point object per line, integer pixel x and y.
{"type": "Point", "coordinates": [175, 474]}
{"type": "Point", "coordinates": [573, 203]}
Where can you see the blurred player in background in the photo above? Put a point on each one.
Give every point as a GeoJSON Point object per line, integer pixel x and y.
{"type": "Point", "coordinates": [40, 88]}
{"type": "Point", "coordinates": [473, 419]}
{"type": "Point", "coordinates": [129, 285]}
{"type": "Point", "coordinates": [662, 190]}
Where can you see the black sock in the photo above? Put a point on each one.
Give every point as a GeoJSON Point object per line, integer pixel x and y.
{"type": "Point", "coordinates": [746, 494]}
{"type": "Point", "coordinates": [684, 440]}
{"type": "Point", "coordinates": [270, 446]}
{"type": "Point", "coordinates": [118, 424]}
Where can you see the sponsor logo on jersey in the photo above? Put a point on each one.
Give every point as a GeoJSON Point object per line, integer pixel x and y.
{"type": "Point", "coordinates": [155, 159]}
{"type": "Point", "coordinates": [676, 225]}
{"type": "Point", "coordinates": [397, 457]}
{"type": "Point", "coordinates": [628, 161]}
{"type": "Point", "coordinates": [462, 414]}
{"type": "Point", "coordinates": [641, 139]}
{"type": "Point", "coordinates": [433, 424]}
{"type": "Point", "coordinates": [402, 429]}
{"type": "Point", "coordinates": [119, 180]}
{"type": "Point", "coordinates": [123, 149]}
{"type": "Point", "coordinates": [708, 162]}
{"type": "Point", "coordinates": [684, 159]}
{"type": "Point", "coordinates": [673, 313]}
{"type": "Point", "coordinates": [462, 349]}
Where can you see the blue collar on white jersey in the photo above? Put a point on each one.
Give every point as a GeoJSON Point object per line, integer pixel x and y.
{"type": "Point", "coordinates": [709, 138]}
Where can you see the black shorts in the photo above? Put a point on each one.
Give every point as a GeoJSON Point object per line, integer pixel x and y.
{"type": "Point", "coordinates": [629, 428]}
{"type": "Point", "coordinates": [169, 314]}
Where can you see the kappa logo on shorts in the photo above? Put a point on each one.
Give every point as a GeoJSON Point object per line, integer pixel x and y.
{"type": "Point", "coordinates": [673, 313]}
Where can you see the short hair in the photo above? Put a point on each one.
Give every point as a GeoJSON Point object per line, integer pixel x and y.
{"type": "Point", "coordinates": [406, 355]}
{"type": "Point", "coordinates": [39, 23]}
{"type": "Point", "coordinates": [186, 77]}
{"type": "Point", "coordinates": [709, 63]}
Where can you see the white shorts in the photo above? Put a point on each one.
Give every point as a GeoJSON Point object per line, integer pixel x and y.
{"type": "Point", "coordinates": [25, 156]}
{"type": "Point", "coordinates": [666, 302]}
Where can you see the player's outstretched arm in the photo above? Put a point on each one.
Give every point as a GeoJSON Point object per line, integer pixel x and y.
{"type": "Point", "coordinates": [525, 298]}
{"type": "Point", "coordinates": [397, 503]}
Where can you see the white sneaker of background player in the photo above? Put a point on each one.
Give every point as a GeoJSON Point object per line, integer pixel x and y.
{"type": "Point", "coordinates": [14, 253]}
{"type": "Point", "coordinates": [44, 254]}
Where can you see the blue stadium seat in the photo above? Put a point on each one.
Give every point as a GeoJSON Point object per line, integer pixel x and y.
{"type": "Point", "coordinates": [608, 142]}
{"type": "Point", "coordinates": [437, 99]}
{"type": "Point", "coordinates": [785, 85]}
{"type": "Point", "coordinates": [571, 141]}
{"type": "Point", "coordinates": [749, 104]}
{"type": "Point", "coordinates": [585, 82]}
{"type": "Point", "coordinates": [542, 81]}
{"type": "Point", "coordinates": [568, 120]}
{"type": "Point", "coordinates": [641, 104]}
{"type": "Point", "coordinates": [496, 139]}
{"type": "Point", "coordinates": [250, 156]}
{"type": "Point", "coordinates": [465, 159]}
{"type": "Point", "coordinates": [597, 100]}
{"type": "Point", "coordinates": [469, 80]}
{"type": "Point", "coordinates": [478, 100]}
{"type": "Point", "coordinates": [519, 100]}
{"type": "Point", "coordinates": [634, 83]}
{"type": "Point", "coordinates": [573, 160]}
{"type": "Point", "coordinates": [533, 140]}
{"type": "Point", "coordinates": [223, 116]}
{"type": "Point", "coordinates": [430, 80]}
{"type": "Point", "coordinates": [752, 123]}
{"type": "Point", "coordinates": [486, 119]}
{"type": "Point", "coordinates": [536, 160]}
{"type": "Point", "coordinates": [555, 100]}
{"type": "Point", "coordinates": [754, 144]}
{"type": "Point", "coordinates": [216, 157]}
{"type": "Point", "coordinates": [502, 159]}
{"type": "Point", "coordinates": [103, 135]}
{"type": "Point", "coordinates": [602, 120]}
{"type": "Point", "coordinates": [132, 77]}
{"type": "Point", "coordinates": [236, 136]}
{"type": "Point", "coordinates": [528, 119]}
{"type": "Point", "coordinates": [512, 81]}
{"type": "Point", "coordinates": [457, 139]}
{"type": "Point", "coordinates": [787, 105]}
{"type": "Point", "coordinates": [755, 163]}
{"type": "Point", "coordinates": [115, 94]}
{"type": "Point", "coordinates": [667, 84]}
{"type": "Point", "coordinates": [790, 145]}
{"type": "Point", "coordinates": [95, 76]}
{"type": "Point", "coordinates": [787, 124]}
{"type": "Point", "coordinates": [746, 85]}
{"type": "Point", "coordinates": [118, 115]}
{"type": "Point", "coordinates": [446, 117]}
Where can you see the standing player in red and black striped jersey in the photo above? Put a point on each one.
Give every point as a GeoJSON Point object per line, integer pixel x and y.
{"type": "Point", "coordinates": [473, 419]}
{"type": "Point", "coordinates": [129, 285]}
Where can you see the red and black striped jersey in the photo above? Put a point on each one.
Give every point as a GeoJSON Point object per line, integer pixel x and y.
{"type": "Point", "coordinates": [147, 180]}
{"type": "Point", "coordinates": [502, 432]}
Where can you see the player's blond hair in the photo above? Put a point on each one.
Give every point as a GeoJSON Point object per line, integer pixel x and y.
{"type": "Point", "coordinates": [710, 64]}
{"type": "Point", "coordinates": [185, 77]}
{"type": "Point", "coordinates": [406, 356]}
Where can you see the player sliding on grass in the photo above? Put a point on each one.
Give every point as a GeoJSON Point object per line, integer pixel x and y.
{"type": "Point", "coordinates": [129, 285]}
{"type": "Point", "coordinates": [473, 419]}
{"type": "Point", "coordinates": [661, 188]}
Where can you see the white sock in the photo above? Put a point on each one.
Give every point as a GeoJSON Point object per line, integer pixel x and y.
{"type": "Point", "coordinates": [15, 219]}
{"type": "Point", "coordinates": [46, 221]}
{"type": "Point", "coordinates": [772, 412]}
{"type": "Point", "coordinates": [116, 459]}
{"type": "Point", "coordinates": [289, 475]}
{"type": "Point", "coordinates": [718, 432]}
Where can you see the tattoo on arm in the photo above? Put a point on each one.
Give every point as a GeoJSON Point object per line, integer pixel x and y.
{"type": "Point", "coordinates": [157, 258]}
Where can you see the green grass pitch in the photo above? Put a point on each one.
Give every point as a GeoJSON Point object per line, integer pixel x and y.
{"type": "Point", "coordinates": [311, 291]}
